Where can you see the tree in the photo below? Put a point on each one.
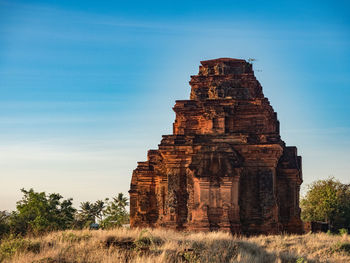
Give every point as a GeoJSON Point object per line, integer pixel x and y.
{"type": "Point", "coordinates": [89, 212]}
{"type": "Point", "coordinates": [115, 212]}
{"type": "Point", "coordinates": [4, 223]}
{"type": "Point", "coordinates": [85, 216]}
{"type": "Point", "coordinates": [39, 212]}
{"type": "Point", "coordinates": [327, 201]}
{"type": "Point", "coordinates": [98, 208]}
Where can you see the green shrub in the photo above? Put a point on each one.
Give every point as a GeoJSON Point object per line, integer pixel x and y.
{"type": "Point", "coordinates": [39, 212]}
{"type": "Point", "coordinates": [146, 241]}
{"type": "Point", "coordinates": [342, 247]}
{"type": "Point", "coordinates": [327, 201]}
{"type": "Point", "coordinates": [343, 231]}
{"type": "Point", "coordinates": [14, 244]}
{"type": "Point", "coordinates": [301, 260]}
{"type": "Point", "coordinates": [329, 232]}
{"type": "Point", "coordinates": [4, 224]}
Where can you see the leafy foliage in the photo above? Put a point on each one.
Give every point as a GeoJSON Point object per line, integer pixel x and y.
{"type": "Point", "coordinates": [13, 244]}
{"type": "Point", "coordinates": [301, 260]}
{"type": "Point", "coordinates": [327, 201]}
{"type": "Point", "coordinates": [4, 224]}
{"type": "Point", "coordinates": [115, 212]}
{"type": "Point", "coordinates": [89, 212]}
{"type": "Point", "coordinates": [342, 247]}
{"type": "Point", "coordinates": [38, 212]}
{"type": "Point", "coordinates": [343, 231]}
{"type": "Point", "coordinates": [85, 216]}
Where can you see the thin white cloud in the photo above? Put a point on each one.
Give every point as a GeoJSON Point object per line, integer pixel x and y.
{"type": "Point", "coordinates": [241, 27]}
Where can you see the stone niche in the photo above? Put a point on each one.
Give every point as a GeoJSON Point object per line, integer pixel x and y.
{"type": "Point", "coordinates": [225, 166]}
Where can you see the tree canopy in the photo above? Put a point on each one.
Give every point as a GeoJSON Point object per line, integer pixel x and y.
{"type": "Point", "coordinates": [89, 212]}
{"type": "Point", "coordinates": [115, 212]}
{"type": "Point", "coordinates": [4, 226]}
{"type": "Point", "coordinates": [38, 212]}
{"type": "Point", "coordinates": [328, 201]}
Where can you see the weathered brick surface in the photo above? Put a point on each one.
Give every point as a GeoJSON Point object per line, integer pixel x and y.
{"type": "Point", "coordinates": [225, 166]}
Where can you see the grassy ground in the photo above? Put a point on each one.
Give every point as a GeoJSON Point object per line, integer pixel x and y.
{"type": "Point", "coordinates": [136, 245]}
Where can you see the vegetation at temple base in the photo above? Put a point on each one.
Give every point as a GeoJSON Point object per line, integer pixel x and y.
{"type": "Point", "coordinates": [38, 212]}
{"type": "Point", "coordinates": [108, 213]}
{"type": "Point", "coordinates": [327, 201]}
{"type": "Point", "coordinates": [115, 213]}
{"type": "Point", "coordinates": [4, 224]}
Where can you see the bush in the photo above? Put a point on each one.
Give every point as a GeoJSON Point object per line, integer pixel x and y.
{"type": "Point", "coordinates": [342, 247]}
{"type": "Point", "coordinates": [301, 260]}
{"type": "Point", "coordinates": [327, 201]}
{"type": "Point", "coordinates": [39, 212]}
{"type": "Point", "coordinates": [343, 231]}
{"type": "Point", "coordinates": [14, 244]}
{"type": "Point", "coordinates": [4, 224]}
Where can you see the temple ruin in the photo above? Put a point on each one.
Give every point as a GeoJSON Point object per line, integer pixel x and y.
{"type": "Point", "coordinates": [225, 166]}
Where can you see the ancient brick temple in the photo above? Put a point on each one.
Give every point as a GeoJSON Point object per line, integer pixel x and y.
{"type": "Point", "coordinates": [225, 166]}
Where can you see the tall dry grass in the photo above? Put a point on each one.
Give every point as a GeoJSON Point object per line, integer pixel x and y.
{"type": "Point", "coordinates": [156, 245]}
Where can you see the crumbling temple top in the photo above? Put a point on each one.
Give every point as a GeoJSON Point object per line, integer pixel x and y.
{"type": "Point", "coordinates": [225, 166]}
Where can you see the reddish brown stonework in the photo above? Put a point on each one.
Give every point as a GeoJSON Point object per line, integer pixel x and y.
{"type": "Point", "coordinates": [225, 167]}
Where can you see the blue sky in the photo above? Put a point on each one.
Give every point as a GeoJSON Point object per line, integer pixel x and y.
{"type": "Point", "coordinates": [87, 87]}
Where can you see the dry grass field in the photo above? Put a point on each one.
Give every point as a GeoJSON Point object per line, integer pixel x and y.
{"type": "Point", "coordinates": [147, 245]}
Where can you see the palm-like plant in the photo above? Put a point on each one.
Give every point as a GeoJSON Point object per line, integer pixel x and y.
{"type": "Point", "coordinates": [121, 200]}
{"type": "Point", "coordinates": [115, 212]}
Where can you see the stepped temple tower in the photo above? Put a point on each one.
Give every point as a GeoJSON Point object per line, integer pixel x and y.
{"type": "Point", "coordinates": [225, 166]}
